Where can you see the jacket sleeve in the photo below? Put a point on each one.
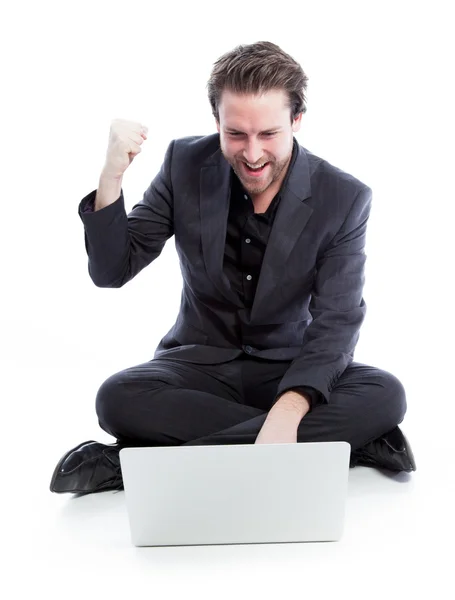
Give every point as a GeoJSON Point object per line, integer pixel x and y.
{"type": "Point", "coordinates": [337, 307]}
{"type": "Point", "coordinates": [118, 245]}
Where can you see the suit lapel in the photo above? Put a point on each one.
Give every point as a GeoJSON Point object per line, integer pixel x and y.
{"type": "Point", "coordinates": [215, 191]}
{"type": "Point", "coordinates": [290, 220]}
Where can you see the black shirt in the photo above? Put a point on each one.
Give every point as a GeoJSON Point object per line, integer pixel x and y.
{"type": "Point", "coordinates": [246, 241]}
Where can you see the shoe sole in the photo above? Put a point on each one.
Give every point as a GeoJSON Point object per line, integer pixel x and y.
{"type": "Point", "coordinates": [60, 463]}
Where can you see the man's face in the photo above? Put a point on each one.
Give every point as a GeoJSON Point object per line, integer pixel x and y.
{"type": "Point", "coordinates": [257, 129]}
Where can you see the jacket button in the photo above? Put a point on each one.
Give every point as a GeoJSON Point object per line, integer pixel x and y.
{"type": "Point", "coordinates": [248, 349]}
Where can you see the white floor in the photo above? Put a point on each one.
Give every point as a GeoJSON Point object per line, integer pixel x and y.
{"type": "Point", "coordinates": [398, 537]}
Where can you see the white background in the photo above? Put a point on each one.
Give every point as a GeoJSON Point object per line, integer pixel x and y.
{"type": "Point", "coordinates": [380, 106]}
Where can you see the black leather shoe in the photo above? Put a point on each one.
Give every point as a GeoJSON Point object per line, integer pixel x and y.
{"type": "Point", "coordinates": [390, 451]}
{"type": "Point", "coordinates": [87, 468]}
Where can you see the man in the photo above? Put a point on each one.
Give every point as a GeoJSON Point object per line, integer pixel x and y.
{"type": "Point", "coordinates": [271, 243]}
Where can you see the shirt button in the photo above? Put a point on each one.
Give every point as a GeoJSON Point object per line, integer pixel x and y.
{"type": "Point", "coordinates": [245, 196]}
{"type": "Point", "coordinates": [247, 240]}
{"type": "Point", "coordinates": [249, 277]}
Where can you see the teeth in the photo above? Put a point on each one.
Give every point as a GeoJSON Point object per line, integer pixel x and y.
{"type": "Point", "coordinates": [256, 167]}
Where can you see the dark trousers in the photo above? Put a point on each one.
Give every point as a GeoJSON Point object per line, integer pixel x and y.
{"type": "Point", "coordinates": [167, 402]}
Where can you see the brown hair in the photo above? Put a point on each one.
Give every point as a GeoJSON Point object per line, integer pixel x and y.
{"type": "Point", "coordinates": [255, 69]}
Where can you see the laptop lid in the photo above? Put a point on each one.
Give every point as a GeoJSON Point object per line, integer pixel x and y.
{"type": "Point", "coordinates": [236, 494]}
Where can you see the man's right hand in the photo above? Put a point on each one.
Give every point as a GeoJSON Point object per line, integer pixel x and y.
{"type": "Point", "coordinates": [125, 139]}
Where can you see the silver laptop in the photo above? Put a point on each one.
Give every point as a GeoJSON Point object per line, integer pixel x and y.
{"type": "Point", "coordinates": [236, 494]}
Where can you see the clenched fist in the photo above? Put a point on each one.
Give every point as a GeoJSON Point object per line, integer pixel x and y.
{"type": "Point", "coordinates": [125, 139]}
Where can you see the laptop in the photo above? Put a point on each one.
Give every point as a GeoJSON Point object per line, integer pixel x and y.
{"type": "Point", "coordinates": [236, 494]}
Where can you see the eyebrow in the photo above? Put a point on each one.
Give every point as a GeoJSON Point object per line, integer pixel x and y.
{"type": "Point", "coordinates": [231, 130]}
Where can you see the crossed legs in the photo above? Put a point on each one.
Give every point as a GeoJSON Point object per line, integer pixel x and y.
{"type": "Point", "coordinates": [170, 402]}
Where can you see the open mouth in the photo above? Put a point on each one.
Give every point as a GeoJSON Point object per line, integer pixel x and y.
{"type": "Point", "coordinates": [254, 172]}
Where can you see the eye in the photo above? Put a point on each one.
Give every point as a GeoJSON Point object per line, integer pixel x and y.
{"type": "Point", "coordinates": [267, 134]}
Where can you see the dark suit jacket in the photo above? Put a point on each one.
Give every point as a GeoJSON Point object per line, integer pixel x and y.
{"type": "Point", "coordinates": [308, 306]}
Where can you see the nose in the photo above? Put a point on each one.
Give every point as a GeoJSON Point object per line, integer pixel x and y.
{"type": "Point", "coordinates": [252, 152]}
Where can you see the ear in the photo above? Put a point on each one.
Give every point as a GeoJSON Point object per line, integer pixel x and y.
{"type": "Point", "coordinates": [217, 125]}
{"type": "Point", "coordinates": [297, 122]}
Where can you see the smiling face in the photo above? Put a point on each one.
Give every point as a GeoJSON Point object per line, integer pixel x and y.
{"type": "Point", "coordinates": [257, 129]}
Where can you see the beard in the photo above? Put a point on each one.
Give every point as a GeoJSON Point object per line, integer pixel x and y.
{"type": "Point", "coordinates": [275, 170]}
